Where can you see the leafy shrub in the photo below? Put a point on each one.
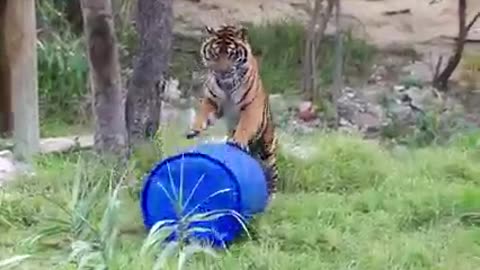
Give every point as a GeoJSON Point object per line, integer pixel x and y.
{"type": "Point", "coordinates": [63, 70]}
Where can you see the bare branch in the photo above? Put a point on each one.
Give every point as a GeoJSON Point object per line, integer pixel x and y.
{"type": "Point", "coordinates": [437, 67]}
{"type": "Point", "coordinates": [441, 82]}
{"type": "Point", "coordinates": [473, 21]}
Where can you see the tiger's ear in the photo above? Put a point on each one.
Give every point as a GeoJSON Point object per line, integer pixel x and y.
{"type": "Point", "coordinates": [209, 30]}
{"type": "Point", "coordinates": [242, 33]}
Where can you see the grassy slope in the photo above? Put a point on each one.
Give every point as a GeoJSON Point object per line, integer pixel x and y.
{"type": "Point", "coordinates": [353, 206]}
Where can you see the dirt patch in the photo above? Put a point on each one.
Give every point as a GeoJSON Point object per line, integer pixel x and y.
{"type": "Point", "coordinates": [423, 24]}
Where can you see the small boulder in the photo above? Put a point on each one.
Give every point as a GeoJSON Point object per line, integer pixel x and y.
{"type": "Point", "coordinates": [307, 111]}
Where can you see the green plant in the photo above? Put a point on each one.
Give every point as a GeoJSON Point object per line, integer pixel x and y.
{"type": "Point", "coordinates": [63, 70]}
{"type": "Point", "coordinates": [73, 220]}
{"type": "Point", "coordinates": [86, 217]}
{"type": "Point", "coordinates": [279, 48]}
{"type": "Point", "coordinates": [50, 15]}
{"type": "Point", "coordinates": [13, 261]}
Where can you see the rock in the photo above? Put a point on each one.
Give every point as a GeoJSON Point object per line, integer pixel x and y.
{"type": "Point", "coordinates": [84, 141]}
{"type": "Point", "coordinates": [172, 92]}
{"type": "Point", "coordinates": [379, 73]}
{"type": "Point", "coordinates": [424, 99]}
{"type": "Point", "coordinates": [399, 88]}
{"type": "Point", "coordinates": [61, 144]}
{"type": "Point", "coordinates": [7, 166]}
{"type": "Point", "coordinates": [358, 114]}
{"type": "Point", "coordinates": [402, 114]}
{"type": "Point", "coordinates": [6, 154]}
{"type": "Point", "coordinates": [307, 111]}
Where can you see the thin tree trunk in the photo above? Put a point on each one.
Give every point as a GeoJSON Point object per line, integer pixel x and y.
{"type": "Point", "coordinates": [323, 24]}
{"type": "Point", "coordinates": [109, 103]}
{"type": "Point", "coordinates": [154, 24]}
{"type": "Point", "coordinates": [74, 15]}
{"type": "Point", "coordinates": [441, 81]}
{"type": "Point", "coordinates": [6, 124]}
{"type": "Point", "coordinates": [338, 79]}
{"type": "Point", "coordinates": [309, 60]}
{"type": "Point", "coordinates": [315, 33]}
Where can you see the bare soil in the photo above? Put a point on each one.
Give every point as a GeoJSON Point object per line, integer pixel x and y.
{"type": "Point", "coordinates": [423, 24]}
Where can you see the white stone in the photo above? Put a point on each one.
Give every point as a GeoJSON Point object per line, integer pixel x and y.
{"type": "Point", "coordinates": [7, 169]}
{"type": "Point", "coordinates": [61, 144]}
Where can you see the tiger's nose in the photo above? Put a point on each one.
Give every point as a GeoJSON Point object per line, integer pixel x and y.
{"type": "Point", "coordinates": [222, 65]}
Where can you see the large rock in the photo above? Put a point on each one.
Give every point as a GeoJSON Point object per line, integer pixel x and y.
{"type": "Point", "coordinates": [359, 114]}
{"type": "Point", "coordinates": [60, 144]}
{"type": "Point", "coordinates": [7, 166]}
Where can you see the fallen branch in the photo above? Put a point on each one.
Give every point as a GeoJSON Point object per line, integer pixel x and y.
{"type": "Point", "coordinates": [397, 12]}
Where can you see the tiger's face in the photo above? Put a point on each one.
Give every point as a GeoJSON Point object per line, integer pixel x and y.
{"type": "Point", "coordinates": [226, 50]}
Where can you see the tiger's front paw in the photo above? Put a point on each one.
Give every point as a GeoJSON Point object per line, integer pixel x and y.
{"type": "Point", "coordinates": [240, 146]}
{"type": "Point", "coordinates": [192, 134]}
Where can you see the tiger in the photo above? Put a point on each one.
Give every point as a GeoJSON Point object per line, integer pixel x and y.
{"type": "Point", "coordinates": [233, 90]}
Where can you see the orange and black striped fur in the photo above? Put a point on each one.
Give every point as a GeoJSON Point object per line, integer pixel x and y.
{"type": "Point", "coordinates": [234, 91]}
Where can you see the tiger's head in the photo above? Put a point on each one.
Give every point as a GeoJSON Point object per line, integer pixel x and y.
{"type": "Point", "coordinates": [226, 50]}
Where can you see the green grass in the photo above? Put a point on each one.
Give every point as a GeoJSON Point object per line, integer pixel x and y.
{"type": "Point", "coordinates": [352, 205]}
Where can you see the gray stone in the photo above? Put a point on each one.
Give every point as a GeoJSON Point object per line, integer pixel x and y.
{"type": "Point", "coordinates": [357, 113]}
{"type": "Point", "coordinates": [61, 144]}
{"type": "Point", "coordinates": [7, 168]}
{"type": "Point", "coordinates": [399, 88]}
{"type": "Point", "coordinates": [6, 154]}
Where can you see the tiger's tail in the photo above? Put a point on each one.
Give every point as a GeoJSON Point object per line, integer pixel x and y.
{"type": "Point", "coordinates": [269, 162]}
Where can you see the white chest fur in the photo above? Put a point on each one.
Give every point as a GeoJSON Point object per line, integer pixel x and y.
{"type": "Point", "coordinates": [228, 102]}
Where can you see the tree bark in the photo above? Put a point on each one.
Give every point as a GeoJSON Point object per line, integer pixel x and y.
{"type": "Point", "coordinates": [6, 124]}
{"type": "Point", "coordinates": [74, 15]}
{"type": "Point", "coordinates": [314, 36]}
{"type": "Point", "coordinates": [154, 24]}
{"type": "Point", "coordinates": [309, 58]}
{"type": "Point", "coordinates": [441, 81]}
{"type": "Point", "coordinates": [109, 104]}
{"type": "Point", "coordinates": [338, 75]}
{"type": "Point", "coordinates": [21, 55]}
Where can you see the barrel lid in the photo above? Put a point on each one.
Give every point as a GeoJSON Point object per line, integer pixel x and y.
{"type": "Point", "coordinates": [190, 183]}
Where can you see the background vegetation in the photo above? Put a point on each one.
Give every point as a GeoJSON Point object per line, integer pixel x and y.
{"type": "Point", "coordinates": [279, 45]}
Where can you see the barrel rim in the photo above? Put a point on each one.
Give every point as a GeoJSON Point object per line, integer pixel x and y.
{"type": "Point", "coordinates": [190, 154]}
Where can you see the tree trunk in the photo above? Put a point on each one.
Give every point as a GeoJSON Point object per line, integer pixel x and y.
{"type": "Point", "coordinates": [74, 15]}
{"type": "Point", "coordinates": [338, 75]}
{"type": "Point", "coordinates": [105, 79]}
{"type": "Point", "coordinates": [154, 24]}
{"type": "Point", "coordinates": [309, 58]}
{"type": "Point", "coordinates": [314, 36]}
{"type": "Point", "coordinates": [21, 55]}
{"type": "Point", "coordinates": [441, 80]}
{"type": "Point", "coordinates": [6, 124]}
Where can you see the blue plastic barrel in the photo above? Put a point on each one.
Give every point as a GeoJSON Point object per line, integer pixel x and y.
{"type": "Point", "coordinates": [207, 177]}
